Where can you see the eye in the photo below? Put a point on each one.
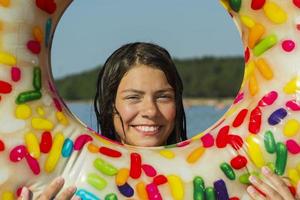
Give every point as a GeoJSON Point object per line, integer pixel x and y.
{"type": "Point", "coordinates": [166, 97]}
{"type": "Point", "coordinates": [132, 97]}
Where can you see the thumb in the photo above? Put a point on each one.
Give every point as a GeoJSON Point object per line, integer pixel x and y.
{"type": "Point", "coordinates": [25, 195]}
{"type": "Point", "coordinates": [298, 190]}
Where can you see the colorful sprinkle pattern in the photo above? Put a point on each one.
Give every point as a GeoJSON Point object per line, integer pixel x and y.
{"type": "Point", "coordinates": [39, 138]}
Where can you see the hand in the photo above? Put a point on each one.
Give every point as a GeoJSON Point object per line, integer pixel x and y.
{"type": "Point", "coordinates": [280, 192]}
{"type": "Point", "coordinates": [51, 191]}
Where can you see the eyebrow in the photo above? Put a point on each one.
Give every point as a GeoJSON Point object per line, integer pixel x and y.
{"type": "Point", "coordinates": [141, 92]}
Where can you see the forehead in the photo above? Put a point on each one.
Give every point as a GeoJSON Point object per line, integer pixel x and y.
{"type": "Point", "coordinates": [142, 77]}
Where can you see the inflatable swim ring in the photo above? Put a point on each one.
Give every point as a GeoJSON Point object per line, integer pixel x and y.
{"type": "Point", "coordinates": [40, 139]}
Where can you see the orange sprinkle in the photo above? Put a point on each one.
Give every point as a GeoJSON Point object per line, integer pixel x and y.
{"type": "Point", "coordinates": [93, 148]}
{"type": "Point", "coordinates": [5, 3]}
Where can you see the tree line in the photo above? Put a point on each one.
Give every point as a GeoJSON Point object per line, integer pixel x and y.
{"type": "Point", "coordinates": [207, 77]}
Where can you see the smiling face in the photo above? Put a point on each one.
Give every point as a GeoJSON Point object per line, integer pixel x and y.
{"type": "Point", "coordinates": [146, 104]}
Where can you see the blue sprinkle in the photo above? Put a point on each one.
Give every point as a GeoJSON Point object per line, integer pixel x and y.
{"type": "Point", "coordinates": [67, 148]}
{"type": "Point", "coordinates": [85, 195]}
{"type": "Point", "coordinates": [48, 31]}
{"type": "Point", "coordinates": [276, 117]}
{"type": "Point", "coordinates": [221, 190]}
{"type": "Point", "coordinates": [126, 190]}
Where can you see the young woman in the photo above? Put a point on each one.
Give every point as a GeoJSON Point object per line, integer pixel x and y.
{"type": "Point", "coordinates": [139, 97]}
{"type": "Point", "coordinates": [139, 102]}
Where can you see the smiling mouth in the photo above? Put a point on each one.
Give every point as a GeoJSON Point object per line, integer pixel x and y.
{"type": "Point", "coordinates": [148, 130]}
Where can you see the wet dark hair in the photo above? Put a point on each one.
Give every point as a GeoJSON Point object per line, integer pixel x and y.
{"type": "Point", "coordinates": [116, 66]}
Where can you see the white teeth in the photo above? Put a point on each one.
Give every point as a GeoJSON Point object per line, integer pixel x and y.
{"type": "Point", "coordinates": [147, 128]}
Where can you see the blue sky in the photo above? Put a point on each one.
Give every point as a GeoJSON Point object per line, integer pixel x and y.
{"type": "Point", "coordinates": [91, 30]}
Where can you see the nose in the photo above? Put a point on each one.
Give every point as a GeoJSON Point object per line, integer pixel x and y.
{"type": "Point", "coordinates": [149, 109]}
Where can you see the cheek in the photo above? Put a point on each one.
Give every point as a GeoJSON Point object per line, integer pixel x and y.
{"type": "Point", "coordinates": [127, 113]}
{"type": "Point", "coordinates": [169, 112]}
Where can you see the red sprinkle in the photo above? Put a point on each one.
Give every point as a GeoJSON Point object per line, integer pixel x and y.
{"type": "Point", "coordinates": [135, 165]}
{"type": "Point", "coordinates": [222, 137]}
{"type": "Point", "coordinates": [48, 6]}
{"type": "Point", "coordinates": [257, 4]}
{"type": "Point", "coordinates": [5, 87]}
{"type": "Point", "coordinates": [293, 105]}
{"type": "Point", "coordinates": [34, 46]}
{"type": "Point", "coordinates": [160, 179]}
{"type": "Point", "coordinates": [239, 98]}
{"type": "Point", "coordinates": [110, 152]}
{"type": "Point", "coordinates": [15, 74]}
{"type": "Point", "coordinates": [255, 121]}
{"type": "Point", "coordinates": [57, 104]}
{"type": "Point", "coordinates": [235, 141]}
{"type": "Point", "coordinates": [288, 45]}
{"type": "Point", "coordinates": [268, 99]}
{"type": "Point", "coordinates": [292, 190]}
{"type": "Point", "coordinates": [247, 55]}
{"type": "Point", "coordinates": [149, 170]}
{"type": "Point", "coordinates": [81, 141]}
{"type": "Point", "coordinates": [33, 164]}
{"type": "Point", "coordinates": [46, 142]}
{"type": "Point", "coordinates": [2, 146]}
{"type": "Point", "coordinates": [19, 190]}
{"type": "Point", "coordinates": [207, 140]}
{"type": "Point", "coordinates": [239, 119]}
{"type": "Point", "coordinates": [296, 3]}
{"type": "Point", "coordinates": [183, 143]}
{"type": "Point", "coordinates": [238, 162]}
{"type": "Point", "coordinates": [234, 198]}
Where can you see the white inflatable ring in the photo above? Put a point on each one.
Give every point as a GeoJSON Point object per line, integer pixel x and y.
{"type": "Point", "coordinates": [40, 139]}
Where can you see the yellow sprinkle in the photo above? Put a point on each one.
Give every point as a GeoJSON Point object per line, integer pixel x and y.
{"type": "Point", "coordinates": [255, 152]}
{"type": "Point", "coordinates": [122, 176]}
{"type": "Point", "coordinates": [7, 195]}
{"type": "Point", "coordinates": [249, 69]}
{"type": "Point", "coordinates": [23, 111]}
{"type": "Point", "coordinates": [197, 136]}
{"type": "Point", "coordinates": [291, 128]}
{"type": "Point", "coordinates": [231, 111]}
{"type": "Point", "coordinates": [7, 59]}
{"type": "Point", "coordinates": [195, 155]}
{"type": "Point", "coordinates": [5, 3]}
{"type": "Point", "coordinates": [275, 13]}
{"type": "Point", "coordinates": [62, 118]}
{"type": "Point", "coordinates": [292, 86]}
{"type": "Point", "coordinates": [93, 148]}
{"type": "Point", "coordinates": [247, 21]}
{"type": "Point", "coordinates": [40, 110]}
{"type": "Point", "coordinates": [141, 191]}
{"type": "Point", "coordinates": [54, 153]}
{"type": "Point", "coordinates": [167, 154]}
{"type": "Point", "coordinates": [37, 34]}
{"type": "Point", "coordinates": [264, 68]}
{"type": "Point", "coordinates": [225, 4]}
{"type": "Point", "coordinates": [294, 176]}
{"type": "Point", "coordinates": [1, 26]}
{"type": "Point", "coordinates": [41, 124]}
{"type": "Point", "coordinates": [253, 86]}
{"type": "Point", "coordinates": [32, 145]}
{"type": "Point", "coordinates": [256, 32]}
{"type": "Point", "coordinates": [176, 186]}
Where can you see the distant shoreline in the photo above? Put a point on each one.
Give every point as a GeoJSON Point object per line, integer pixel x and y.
{"type": "Point", "coordinates": [187, 102]}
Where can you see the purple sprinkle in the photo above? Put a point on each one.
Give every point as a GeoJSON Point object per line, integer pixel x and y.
{"type": "Point", "coordinates": [277, 116]}
{"type": "Point", "coordinates": [126, 190]}
{"type": "Point", "coordinates": [221, 190]}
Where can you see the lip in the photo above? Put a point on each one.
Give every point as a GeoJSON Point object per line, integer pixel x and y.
{"type": "Point", "coordinates": [148, 133]}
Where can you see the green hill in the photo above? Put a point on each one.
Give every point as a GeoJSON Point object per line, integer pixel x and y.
{"type": "Point", "coordinates": [207, 77]}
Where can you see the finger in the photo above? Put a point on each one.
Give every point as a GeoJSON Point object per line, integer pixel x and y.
{"type": "Point", "coordinates": [25, 195]}
{"type": "Point", "coordinates": [278, 183]}
{"type": "Point", "coordinates": [264, 188]}
{"type": "Point", "coordinates": [298, 190]}
{"type": "Point", "coordinates": [67, 193]}
{"type": "Point", "coordinates": [52, 189]}
{"type": "Point", "coordinates": [254, 194]}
